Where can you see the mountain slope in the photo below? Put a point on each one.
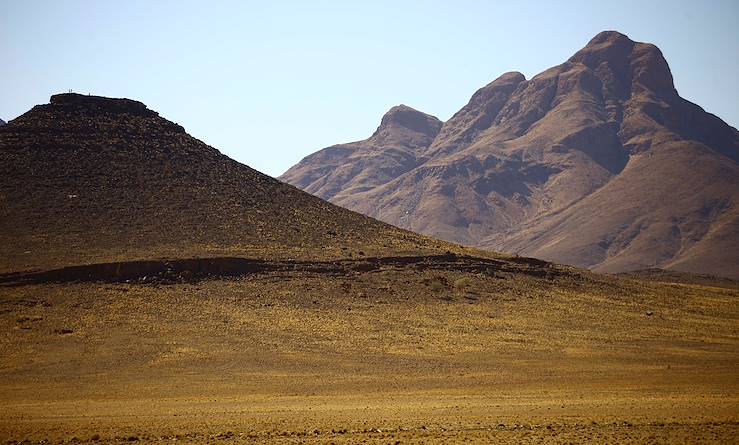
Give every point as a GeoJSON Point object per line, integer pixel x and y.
{"type": "Point", "coordinates": [597, 162]}
{"type": "Point", "coordinates": [89, 179]}
{"type": "Point", "coordinates": [345, 169]}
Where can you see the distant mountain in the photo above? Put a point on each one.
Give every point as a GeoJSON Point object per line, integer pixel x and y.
{"type": "Point", "coordinates": [346, 169]}
{"type": "Point", "coordinates": [2, 122]}
{"type": "Point", "coordinates": [597, 162]}
{"type": "Point", "coordinates": [89, 179]}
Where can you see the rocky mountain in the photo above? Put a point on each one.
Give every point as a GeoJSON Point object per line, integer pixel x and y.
{"type": "Point", "coordinates": [2, 122]}
{"type": "Point", "coordinates": [597, 162]}
{"type": "Point", "coordinates": [343, 170]}
{"type": "Point", "coordinates": [88, 179]}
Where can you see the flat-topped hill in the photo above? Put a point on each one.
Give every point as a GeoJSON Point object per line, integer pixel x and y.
{"type": "Point", "coordinates": [88, 179]}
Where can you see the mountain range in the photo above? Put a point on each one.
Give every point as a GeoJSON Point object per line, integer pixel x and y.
{"type": "Point", "coordinates": [153, 290]}
{"type": "Point", "coordinates": [597, 162]}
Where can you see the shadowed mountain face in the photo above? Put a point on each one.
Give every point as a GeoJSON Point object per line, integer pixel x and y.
{"type": "Point", "coordinates": [89, 179]}
{"type": "Point", "coordinates": [597, 162]}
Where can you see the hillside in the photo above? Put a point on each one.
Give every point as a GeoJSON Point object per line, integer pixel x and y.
{"type": "Point", "coordinates": [154, 291]}
{"type": "Point", "coordinates": [347, 169]}
{"type": "Point", "coordinates": [88, 179]}
{"type": "Point", "coordinates": [597, 162]}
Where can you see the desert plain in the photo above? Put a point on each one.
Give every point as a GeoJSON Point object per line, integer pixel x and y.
{"type": "Point", "coordinates": [391, 354]}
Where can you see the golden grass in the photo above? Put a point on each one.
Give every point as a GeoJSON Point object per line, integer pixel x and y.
{"type": "Point", "coordinates": [376, 357]}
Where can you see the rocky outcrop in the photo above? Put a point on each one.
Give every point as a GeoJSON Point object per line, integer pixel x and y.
{"type": "Point", "coordinates": [196, 269]}
{"type": "Point", "coordinates": [74, 101]}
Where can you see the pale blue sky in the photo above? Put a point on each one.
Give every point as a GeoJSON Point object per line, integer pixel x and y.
{"type": "Point", "coordinates": [270, 82]}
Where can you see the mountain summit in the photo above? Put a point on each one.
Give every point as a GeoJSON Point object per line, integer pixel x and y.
{"type": "Point", "coordinates": [396, 147]}
{"type": "Point", "coordinates": [402, 120]}
{"type": "Point", "coordinates": [596, 162]}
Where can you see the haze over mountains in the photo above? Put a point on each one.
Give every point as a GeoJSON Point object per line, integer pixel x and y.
{"type": "Point", "coordinates": [597, 162]}
{"type": "Point", "coordinates": [88, 179]}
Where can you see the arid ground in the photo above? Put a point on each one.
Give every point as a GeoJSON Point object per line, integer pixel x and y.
{"type": "Point", "coordinates": [400, 354]}
{"type": "Point", "coordinates": [154, 290]}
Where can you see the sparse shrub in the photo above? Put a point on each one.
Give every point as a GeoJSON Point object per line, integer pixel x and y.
{"type": "Point", "coordinates": [437, 284]}
{"type": "Point", "coordinates": [463, 284]}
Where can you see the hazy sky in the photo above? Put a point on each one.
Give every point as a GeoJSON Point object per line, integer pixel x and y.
{"type": "Point", "coordinates": [270, 82]}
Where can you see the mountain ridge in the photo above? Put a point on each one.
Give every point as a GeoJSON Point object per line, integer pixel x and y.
{"type": "Point", "coordinates": [528, 166]}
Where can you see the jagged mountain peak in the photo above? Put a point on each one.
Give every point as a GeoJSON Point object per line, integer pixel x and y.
{"type": "Point", "coordinates": [510, 76]}
{"type": "Point", "coordinates": [641, 64]}
{"type": "Point", "coordinates": [505, 82]}
{"type": "Point", "coordinates": [411, 119]}
{"type": "Point", "coordinates": [477, 116]}
{"type": "Point", "coordinates": [609, 37]}
{"type": "Point", "coordinates": [609, 47]}
{"type": "Point", "coordinates": [394, 148]}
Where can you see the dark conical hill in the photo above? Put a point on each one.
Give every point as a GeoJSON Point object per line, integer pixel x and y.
{"type": "Point", "coordinates": [90, 179]}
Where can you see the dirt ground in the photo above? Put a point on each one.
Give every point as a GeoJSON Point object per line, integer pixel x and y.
{"type": "Point", "coordinates": [392, 356]}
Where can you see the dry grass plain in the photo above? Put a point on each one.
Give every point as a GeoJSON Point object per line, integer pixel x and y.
{"type": "Point", "coordinates": [390, 356]}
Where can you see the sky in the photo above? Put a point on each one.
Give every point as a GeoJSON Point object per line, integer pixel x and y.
{"type": "Point", "coordinates": [268, 83]}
